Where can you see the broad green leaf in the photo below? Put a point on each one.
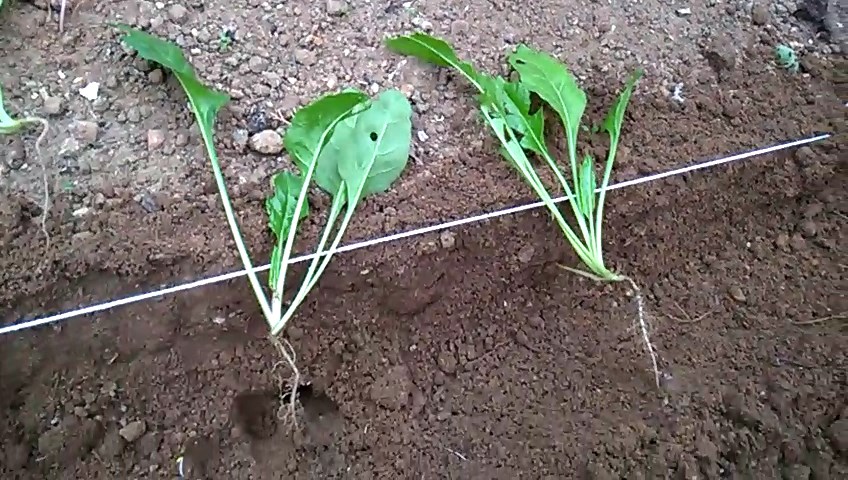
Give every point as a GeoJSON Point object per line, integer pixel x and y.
{"type": "Point", "coordinates": [371, 148]}
{"type": "Point", "coordinates": [587, 183]}
{"type": "Point", "coordinates": [205, 101]}
{"type": "Point", "coordinates": [312, 127]}
{"type": "Point", "coordinates": [543, 75]}
{"type": "Point", "coordinates": [434, 50]}
{"type": "Point", "coordinates": [281, 208]}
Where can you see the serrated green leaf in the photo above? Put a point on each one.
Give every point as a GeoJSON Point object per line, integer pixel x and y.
{"type": "Point", "coordinates": [511, 101]}
{"type": "Point", "coordinates": [434, 50]}
{"type": "Point", "coordinates": [312, 127]}
{"type": "Point", "coordinates": [587, 183]}
{"type": "Point", "coordinates": [543, 75]}
{"type": "Point", "coordinates": [281, 208]}
{"type": "Point", "coordinates": [370, 149]}
{"type": "Point", "coordinates": [206, 101]}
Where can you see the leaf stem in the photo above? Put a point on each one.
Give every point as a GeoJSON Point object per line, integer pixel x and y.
{"type": "Point", "coordinates": [311, 276]}
{"type": "Point", "coordinates": [209, 143]}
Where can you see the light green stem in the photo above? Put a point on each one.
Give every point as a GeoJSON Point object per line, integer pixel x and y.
{"type": "Point", "coordinates": [209, 143]}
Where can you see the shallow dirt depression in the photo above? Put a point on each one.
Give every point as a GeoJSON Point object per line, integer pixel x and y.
{"type": "Point", "coordinates": [467, 354]}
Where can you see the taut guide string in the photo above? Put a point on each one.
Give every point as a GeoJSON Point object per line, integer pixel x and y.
{"type": "Point", "coordinates": [23, 325]}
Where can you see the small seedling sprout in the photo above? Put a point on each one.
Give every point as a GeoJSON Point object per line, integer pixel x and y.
{"type": "Point", "coordinates": [10, 126]}
{"type": "Point", "coordinates": [505, 107]}
{"type": "Point", "coordinates": [787, 58]}
{"type": "Point", "coordinates": [350, 145]}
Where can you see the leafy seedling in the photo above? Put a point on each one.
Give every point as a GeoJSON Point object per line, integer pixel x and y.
{"type": "Point", "coordinates": [11, 126]}
{"type": "Point", "coordinates": [350, 145]}
{"type": "Point", "coordinates": [786, 58]}
{"type": "Point", "coordinates": [505, 106]}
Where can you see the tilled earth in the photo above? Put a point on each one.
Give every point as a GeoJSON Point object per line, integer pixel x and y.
{"type": "Point", "coordinates": [462, 354]}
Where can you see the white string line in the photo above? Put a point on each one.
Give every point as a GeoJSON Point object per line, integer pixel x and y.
{"type": "Point", "coordinates": [397, 236]}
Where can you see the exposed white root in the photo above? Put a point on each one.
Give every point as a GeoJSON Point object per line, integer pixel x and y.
{"type": "Point", "coordinates": [288, 410]}
{"type": "Point", "coordinates": [45, 203]}
{"type": "Point", "coordinates": [643, 326]}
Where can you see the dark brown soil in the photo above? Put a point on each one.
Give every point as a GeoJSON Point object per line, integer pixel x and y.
{"type": "Point", "coordinates": [467, 354]}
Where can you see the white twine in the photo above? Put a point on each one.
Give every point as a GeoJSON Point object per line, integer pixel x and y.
{"type": "Point", "coordinates": [23, 325]}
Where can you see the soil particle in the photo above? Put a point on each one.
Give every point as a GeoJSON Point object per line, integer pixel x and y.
{"type": "Point", "coordinates": [70, 440]}
{"type": "Point", "coordinates": [85, 132]}
{"type": "Point", "coordinates": [838, 435]}
{"type": "Point", "coordinates": [15, 153]}
{"type": "Point", "coordinates": [53, 105]}
{"type": "Point", "coordinates": [16, 455]}
{"type": "Point", "coordinates": [112, 446]}
{"type": "Point", "coordinates": [392, 390]}
{"type": "Point", "coordinates": [133, 430]}
{"type": "Point", "coordinates": [267, 142]}
{"type": "Point", "coordinates": [155, 139]}
{"type": "Point", "coordinates": [760, 14]}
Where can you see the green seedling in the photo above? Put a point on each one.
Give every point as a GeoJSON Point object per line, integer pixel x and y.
{"type": "Point", "coordinates": [350, 145]}
{"type": "Point", "coordinates": [11, 126]}
{"type": "Point", "coordinates": [786, 58]}
{"type": "Point", "coordinates": [225, 39]}
{"type": "Point", "coordinates": [505, 107]}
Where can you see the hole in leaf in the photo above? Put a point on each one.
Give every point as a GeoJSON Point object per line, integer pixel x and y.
{"type": "Point", "coordinates": [373, 136]}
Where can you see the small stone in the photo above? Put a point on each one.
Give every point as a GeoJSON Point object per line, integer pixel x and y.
{"type": "Point", "coordinates": [447, 362]}
{"type": "Point", "coordinates": [155, 139]}
{"type": "Point", "coordinates": [304, 57]}
{"type": "Point", "coordinates": [797, 242]}
{"type": "Point", "coordinates": [113, 445]}
{"type": "Point", "coordinates": [838, 435]}
{"type": "Point", "coordinates": [809, 228]}
{"type": "Point", "coordinates": [782, 241]}
{"type": "Point", "coordinates": [736, 293]}
{"type": "Point", "coordinates": [156, 76]}
{"type": "Point", "coordinates": [797, 472]}
{"type": "Point", "coordinates": [760, 14]}
{"type": "Point", "coordinates": [91, 91]}
{"type": "Point", "coordinates": [133, 431]}
{"type": "Point", "coordinates": [267, 142]}
{"type": "Point", "coordinates": [336, 8]}
{"type": "Point", "coordinates": [525, 254]}
{"type": "Point", "coordinates": [684, 12]}
{"type": "Point", "coordinates": [85, 131]}
{"type": "Point", "coordinates": [148, 202]}
{"type": "Point", "coordinates": [805, 156]}
{"type": "Point", "coordinates": [721, 54]}
{"type": "Point", "coordinates": [458, 27]}
{"type": "Point", "coordinates": [15, 153]}
{"type": "Point", "coordinates": [53, 105]}
{"type": "Point", "coordinates": [393, 389]}
{"type": "Point", "coordinates": [178, 13]}
{"type": "Point", "coordinates": [447, 239]}
{"type": "Point", "coordinates": [257, 64]}
{"type": "Point", "coordinates": [536, 321]}
{"type": "Point", "coordinates": [240, 138]}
